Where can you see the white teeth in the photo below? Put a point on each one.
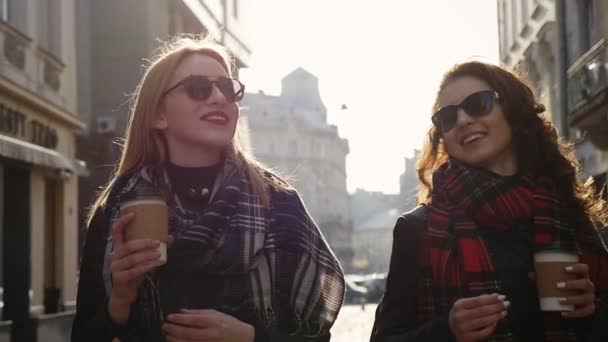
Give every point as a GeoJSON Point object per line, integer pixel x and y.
{"type": "Point", "coordinates": [471, 138]}
{"type": "Point", "coordinates": [215, 117]}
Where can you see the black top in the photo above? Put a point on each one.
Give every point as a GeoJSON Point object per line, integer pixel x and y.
{"type": "Point", "coordinates": [512, 252]}
{"type": "Point", "coordinates": [189, 182]}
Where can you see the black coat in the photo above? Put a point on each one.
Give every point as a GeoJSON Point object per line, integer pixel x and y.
{"type": "Point", "coordinates": [396, 313]}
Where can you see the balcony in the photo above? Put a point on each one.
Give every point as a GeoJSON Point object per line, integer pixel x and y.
{"type": "Point", "coordinates": [31, 67]}
{"type": "Point", "coordinates": [587, 81]}
{"type": "Point", "coordinates": [588, 94]}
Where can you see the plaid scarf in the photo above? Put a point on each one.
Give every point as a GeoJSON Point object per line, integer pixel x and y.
{"type": "Point", "coordinates": [456, 259]}
{"type": "Point", "coordinates": [294, 280]}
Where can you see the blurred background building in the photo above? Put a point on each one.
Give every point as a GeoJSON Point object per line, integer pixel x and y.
{"type": "Point", "coordinates": [527, 35]}
{"type": "Point", "coordinates": [290, 133]}
{"type": "Point", "coordinates": [408, 183]}
{"type": "Point", "coordinates": [39, 121]}
{"type": "Point", "coordinates": [587, 60]}
{"type": "Point", "coordinates": [374, 217]}
{"type": "Point", "coordinates": [529, 42]}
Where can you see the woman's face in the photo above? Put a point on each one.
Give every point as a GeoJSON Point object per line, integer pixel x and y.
{"type": "Point", "coordinates": [483, 140]}
{"type": "Point", "coordinates": [192, 117]}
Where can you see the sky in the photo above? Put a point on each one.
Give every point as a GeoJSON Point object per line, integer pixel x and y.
{"type": "Point", "coordinates": [382, 58]}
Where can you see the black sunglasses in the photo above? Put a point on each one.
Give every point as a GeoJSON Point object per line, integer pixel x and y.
{"type": "Point", "coordinates": [475, 105]}
{"type": "Point", "coordinates": [199, 88]}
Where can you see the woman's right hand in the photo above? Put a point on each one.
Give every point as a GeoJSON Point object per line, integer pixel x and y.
{"type": "Point", "coordinates": [475, 318]}
{"type": "Point", "coordinates": [129, 262]}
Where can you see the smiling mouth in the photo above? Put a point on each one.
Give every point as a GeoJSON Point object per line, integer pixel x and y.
{"type": "Point", "coordinates": [217, 118]}
{"type": "Point", "coordinates": [472, 138]}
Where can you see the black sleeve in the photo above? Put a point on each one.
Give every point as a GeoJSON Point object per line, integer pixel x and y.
{"type": "Point", "coordinates": [594, 327]}
{"type": "Point", "coordinates": [92, 322]}
{"type": "Point", "coordinates": [396, 313]}
{"type": "Point", "coordinates": [597, 327]}
{"type": "Point", "coordinates": [279, 337]}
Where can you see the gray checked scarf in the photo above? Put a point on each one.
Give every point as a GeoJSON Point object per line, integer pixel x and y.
{"type": "Point", "coordinates": [295, 280]}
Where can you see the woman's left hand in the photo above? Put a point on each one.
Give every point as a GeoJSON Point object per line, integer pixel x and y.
{"type": "Point", "coordinates": [584, 301]}
{"type": "Point", "coordinates": [206, 325]}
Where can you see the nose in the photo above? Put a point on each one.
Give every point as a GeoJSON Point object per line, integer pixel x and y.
{"type": "Point", "coordinates": [463, 119]}
{"type": "Point", "coordinates": [216, 96]}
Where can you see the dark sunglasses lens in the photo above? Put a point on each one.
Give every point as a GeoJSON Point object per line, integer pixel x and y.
{"type": "Point", "coordinates": [445, 118]}
{"type": "Point", "coordinates": [199, 88]}
{"type": "Point", "coordinates": [478, 104]}
{"type": "Point", "coordinates": [239, 90]}
{"type": "Point", "coordinates": [232, 89]}
{"type": "Point", "coordinates": [226, 86]}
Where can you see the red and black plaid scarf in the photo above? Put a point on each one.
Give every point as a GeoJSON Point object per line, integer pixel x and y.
{"type": "Point", "coordinates": [458, 262]}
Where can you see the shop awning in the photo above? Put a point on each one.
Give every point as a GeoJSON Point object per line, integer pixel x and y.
{"type": "Point", "coordinates": [30, 153]}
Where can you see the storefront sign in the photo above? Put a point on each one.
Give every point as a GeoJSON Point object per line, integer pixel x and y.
{"type": "Point", "coordinates": [16, 124]}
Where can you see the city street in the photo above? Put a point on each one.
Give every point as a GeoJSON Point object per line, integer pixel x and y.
{"type": "Point", "coordinates": [354, 324]}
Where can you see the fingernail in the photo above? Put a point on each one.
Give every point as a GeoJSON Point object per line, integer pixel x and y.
{"type": "Point", "coordinates": [502, 297]}
{"type": "Point", "coordinates": [561, 285]}
{"type": "Point", "coordinates": [569, 268]}
{"type": "Point", "coordinates": [504, 313]}
{"type": "Point", "coordinates": [506, 304]}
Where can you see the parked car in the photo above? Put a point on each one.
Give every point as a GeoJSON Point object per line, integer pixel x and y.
{"type": "Point", "coordinates": [354, 292]}
{"type": "Point", "coordinates": [376, 285]}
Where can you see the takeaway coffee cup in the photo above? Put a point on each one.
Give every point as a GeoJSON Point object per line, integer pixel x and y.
{"type": "Point", "coordinates": [151, 218]}
{"type": "Point", "coordinates": [550, 270]}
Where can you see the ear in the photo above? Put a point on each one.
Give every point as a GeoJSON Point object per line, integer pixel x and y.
{"type": "Point", "coordinates": [160, 120]}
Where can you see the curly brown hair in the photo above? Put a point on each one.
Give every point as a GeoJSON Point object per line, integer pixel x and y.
{"type": "Point", "coordinates": [538, 145]}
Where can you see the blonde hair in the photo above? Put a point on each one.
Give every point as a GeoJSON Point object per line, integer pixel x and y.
{"type": "Point", "coordinates": [144, 145]}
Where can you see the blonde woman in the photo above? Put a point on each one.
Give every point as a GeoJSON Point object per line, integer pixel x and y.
{"type": "Point", "coordinates": [245, 260]}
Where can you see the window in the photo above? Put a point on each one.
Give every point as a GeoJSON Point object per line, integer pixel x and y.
{"type": "Point", "coordinates": [293, 148]}
{"type": "Point", "coordinates": [50, 26]}
{"type": "Point", "coordinates": [314, 148]}
{"type": "Point", "coordinates": [514, 21]}
{"type": "Point", "coordinates": [4, 10]}
{"type": "Point", "coordinates": [51, 258]}
{"type": "Point", "coordinates": [13, 12]}
{"type": "Point", "coordinates": [506, 27]}
{"type": "Point", "coordinates": [235, 8]}
{"type": "Point", "coordinates": [587, 11]}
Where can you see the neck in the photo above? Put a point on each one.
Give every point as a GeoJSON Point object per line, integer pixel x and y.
{"type": "Point", "coordinates": [504, 165]}
{"type": "Point", "coordinates": [200, 156]}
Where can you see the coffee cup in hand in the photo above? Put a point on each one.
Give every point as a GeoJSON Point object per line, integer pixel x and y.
{"type": "Point", "coordinates": [550, 267]}
{"type": "Point", "coordinates": [150, 222]}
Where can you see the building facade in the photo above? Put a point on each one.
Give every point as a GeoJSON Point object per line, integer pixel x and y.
{"type": "Point", "coordinates": [588, 83]}
{"type": "Point", "coordinates": [290, 133]}
{"type": "Point", "coordinates": [374, 217]}
{"type": "Point", "coordinates": [408, 184]}
{"type": "Point", "coordinates": [39, 121]}
{"type": "Point", "coordinates": [527, 38]}
{"type": "Point", "coordinates": [528, 42]}
{"type": "Point", "coordinates": [111, 58]}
